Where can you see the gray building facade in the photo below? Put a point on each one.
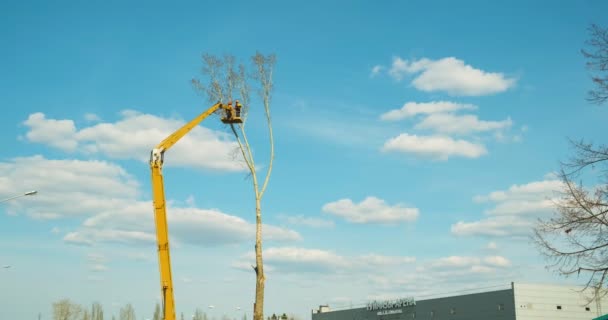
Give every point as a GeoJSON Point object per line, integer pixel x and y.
{"type": "Point", "coordinates": [520, 302]}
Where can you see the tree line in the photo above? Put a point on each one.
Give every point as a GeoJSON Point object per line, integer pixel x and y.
{"type": "Point", "coordinates": [66, 309]}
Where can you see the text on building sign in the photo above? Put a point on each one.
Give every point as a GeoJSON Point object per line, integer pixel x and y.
{"type": "Point", "coordinates": [389, 304]}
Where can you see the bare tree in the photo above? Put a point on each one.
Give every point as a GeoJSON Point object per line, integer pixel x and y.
{"type": "Point", "coordinates": [127, 312]}
{"type": "Point", "coordinates": [575, 239]}
{"type": "Point", "coordinates": [96, 311]}
{"type": "Point", "coordinates": [157, 315]}
{"type": "Point", "coordinates": [227, 81]}
{"type": "Point", "coordinates": [66, 310]}
{"type": "Point", "coordinates": [598, 61]}
{"type": "Point", "coordinates": [199, 315]}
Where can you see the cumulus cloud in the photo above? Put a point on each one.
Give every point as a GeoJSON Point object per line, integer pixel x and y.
{"type": "Point", "coordinates": [376, 70]}
{"type": "Point", "coordinates": [437, 128]}
{"type": "Point", "coordinates": [90, 236]}
{"type": "Point", "coordinates": [296, 259]}
{"type": "Point", "coordinates": [373, 260]}
{"type": "Point", "coordinates": [134, 136]}
{"type": "Point", "coordinates": [450, 75]}
{"type": "Point", "coordinates": [301, 220]}
{"type": "Point", "coordinates": [66, 188]}
{"type": "Point", "coordinates": [455, 262]}
{"type": "Point", "coordinates": [411, 109]}
{"type": "Point", "coordinates": [497, 261]}
{"type": "Point", "coordinates": [494, 227]}
{"type": "Point", "coordinates": [60, 134]}
{"type": "Point", "coordinates": [108, 197]}
{"type": "Point", "coordinates": [436, 146]}
{"type": "Point", "coordinates": [514, 210]}
{"type": "Point", "coordinates": [532, 197]}
{"type": "Point", "coordinates": [460, 124]}
{"type": "Point", "coordinates": [387, 276]}
{"type": "Point", "coordinates": [134, 224]}
{"type": "Point", "coordinates": [91, 117]}
{"type": "Point", "coordinates": [304, 259]}
{"type": "Point", "coordinates": [476, 263]}
{"type": "Point", "coordinates": [528, 191]}
{"type": "Point", "coordinates": [491, 245]}
{"type": "Point", "coordinates": [370, 210]}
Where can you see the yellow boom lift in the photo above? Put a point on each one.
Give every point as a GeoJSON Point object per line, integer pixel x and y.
{"type": "Point", "coordinates": [232, 115]}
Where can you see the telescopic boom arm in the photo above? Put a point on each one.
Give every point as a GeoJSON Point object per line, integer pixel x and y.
{"type": "Point", "coordinates": [158, 193]}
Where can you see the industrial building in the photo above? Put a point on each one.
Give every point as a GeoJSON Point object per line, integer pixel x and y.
{"type": "Point", "coordinates": [519, 302]}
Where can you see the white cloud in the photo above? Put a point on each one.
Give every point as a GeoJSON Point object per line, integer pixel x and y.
{"type": "Point", "coordinates": [91, 117]}
{"type": "Point", "coordinates": [307, 259]}
{"type": "Point", "coordinates": [376, 70]}
{"type": "Point", "coordinates": [59, 134]}
{"type": "Point", "coordinates": [301, 220]}
{"type": "Point", "coordinates": [460, 124]}
{"type": "Point", "coordinates": [528, 191]}
{"type": "Point", "coordinates": [450, 75]}
{"type": "Point", "coordinates": [534, 197]}
{"type": "Point", "coordinates": [491, 245]}
{"type": "Point", "coordinates": [375, 260]}
{"type": "Point", "coordinates": [513, 210]}
{"type": "Point", "coordinates": [134, 224]}
{"type": "Point", "coordinates": [190, 201]}
{"type": "Point", "coordinates": [514, 207]}
{"type": "Point", "coordinates": [411, 109]}
{"type": "Point", "coordinates": [447, 273]}
{"type": "Point", "coordinates": [470, 262]}
{"type": "Point", "coordinates": [482, 269]}
{"type": "Point", "coordinates": [89, 237]}
{"type": "Point", "coordinates": [455, 262]}
{"type": "Point", "coordinates": [436, 146]}
{"type": "Point", "coordinates": [295, 259]}
{"type": "Point", "coordinates": [497, 261]}
{"type": "Point", "coordinates": [134, 136]}
{"type": "Point", "coordinates": [65, 187]}
{"type": "Point", "coordinates": [494, 227]}
{"type": "Point", "coordinates": [109, 197]}
{"type": "Point", "coordinates": [401, 67]}
{"type": "Point", "coordinates": [370, 210]}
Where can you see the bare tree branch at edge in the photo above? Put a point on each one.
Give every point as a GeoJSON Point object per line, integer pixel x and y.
{"type": "Point", "coordinates": [575, 239]}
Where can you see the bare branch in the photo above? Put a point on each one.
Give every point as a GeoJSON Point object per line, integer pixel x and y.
{"type": "Point", "coordinates": [598, 61]}
{"type": "Point", "coordinates": [575, 239]}
{"type": "Point", "coordinates": [265, 66]}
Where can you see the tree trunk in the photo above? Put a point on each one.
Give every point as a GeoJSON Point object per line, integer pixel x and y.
{"type": "Point", "coordinates": [258, 309]}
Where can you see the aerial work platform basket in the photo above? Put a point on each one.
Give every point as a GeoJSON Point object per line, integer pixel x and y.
{"type": "Point", "coordinates": [233, 114]}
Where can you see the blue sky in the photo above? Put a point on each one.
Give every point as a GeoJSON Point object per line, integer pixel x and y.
{"type": "Point", "coordinates": [415, 142]}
